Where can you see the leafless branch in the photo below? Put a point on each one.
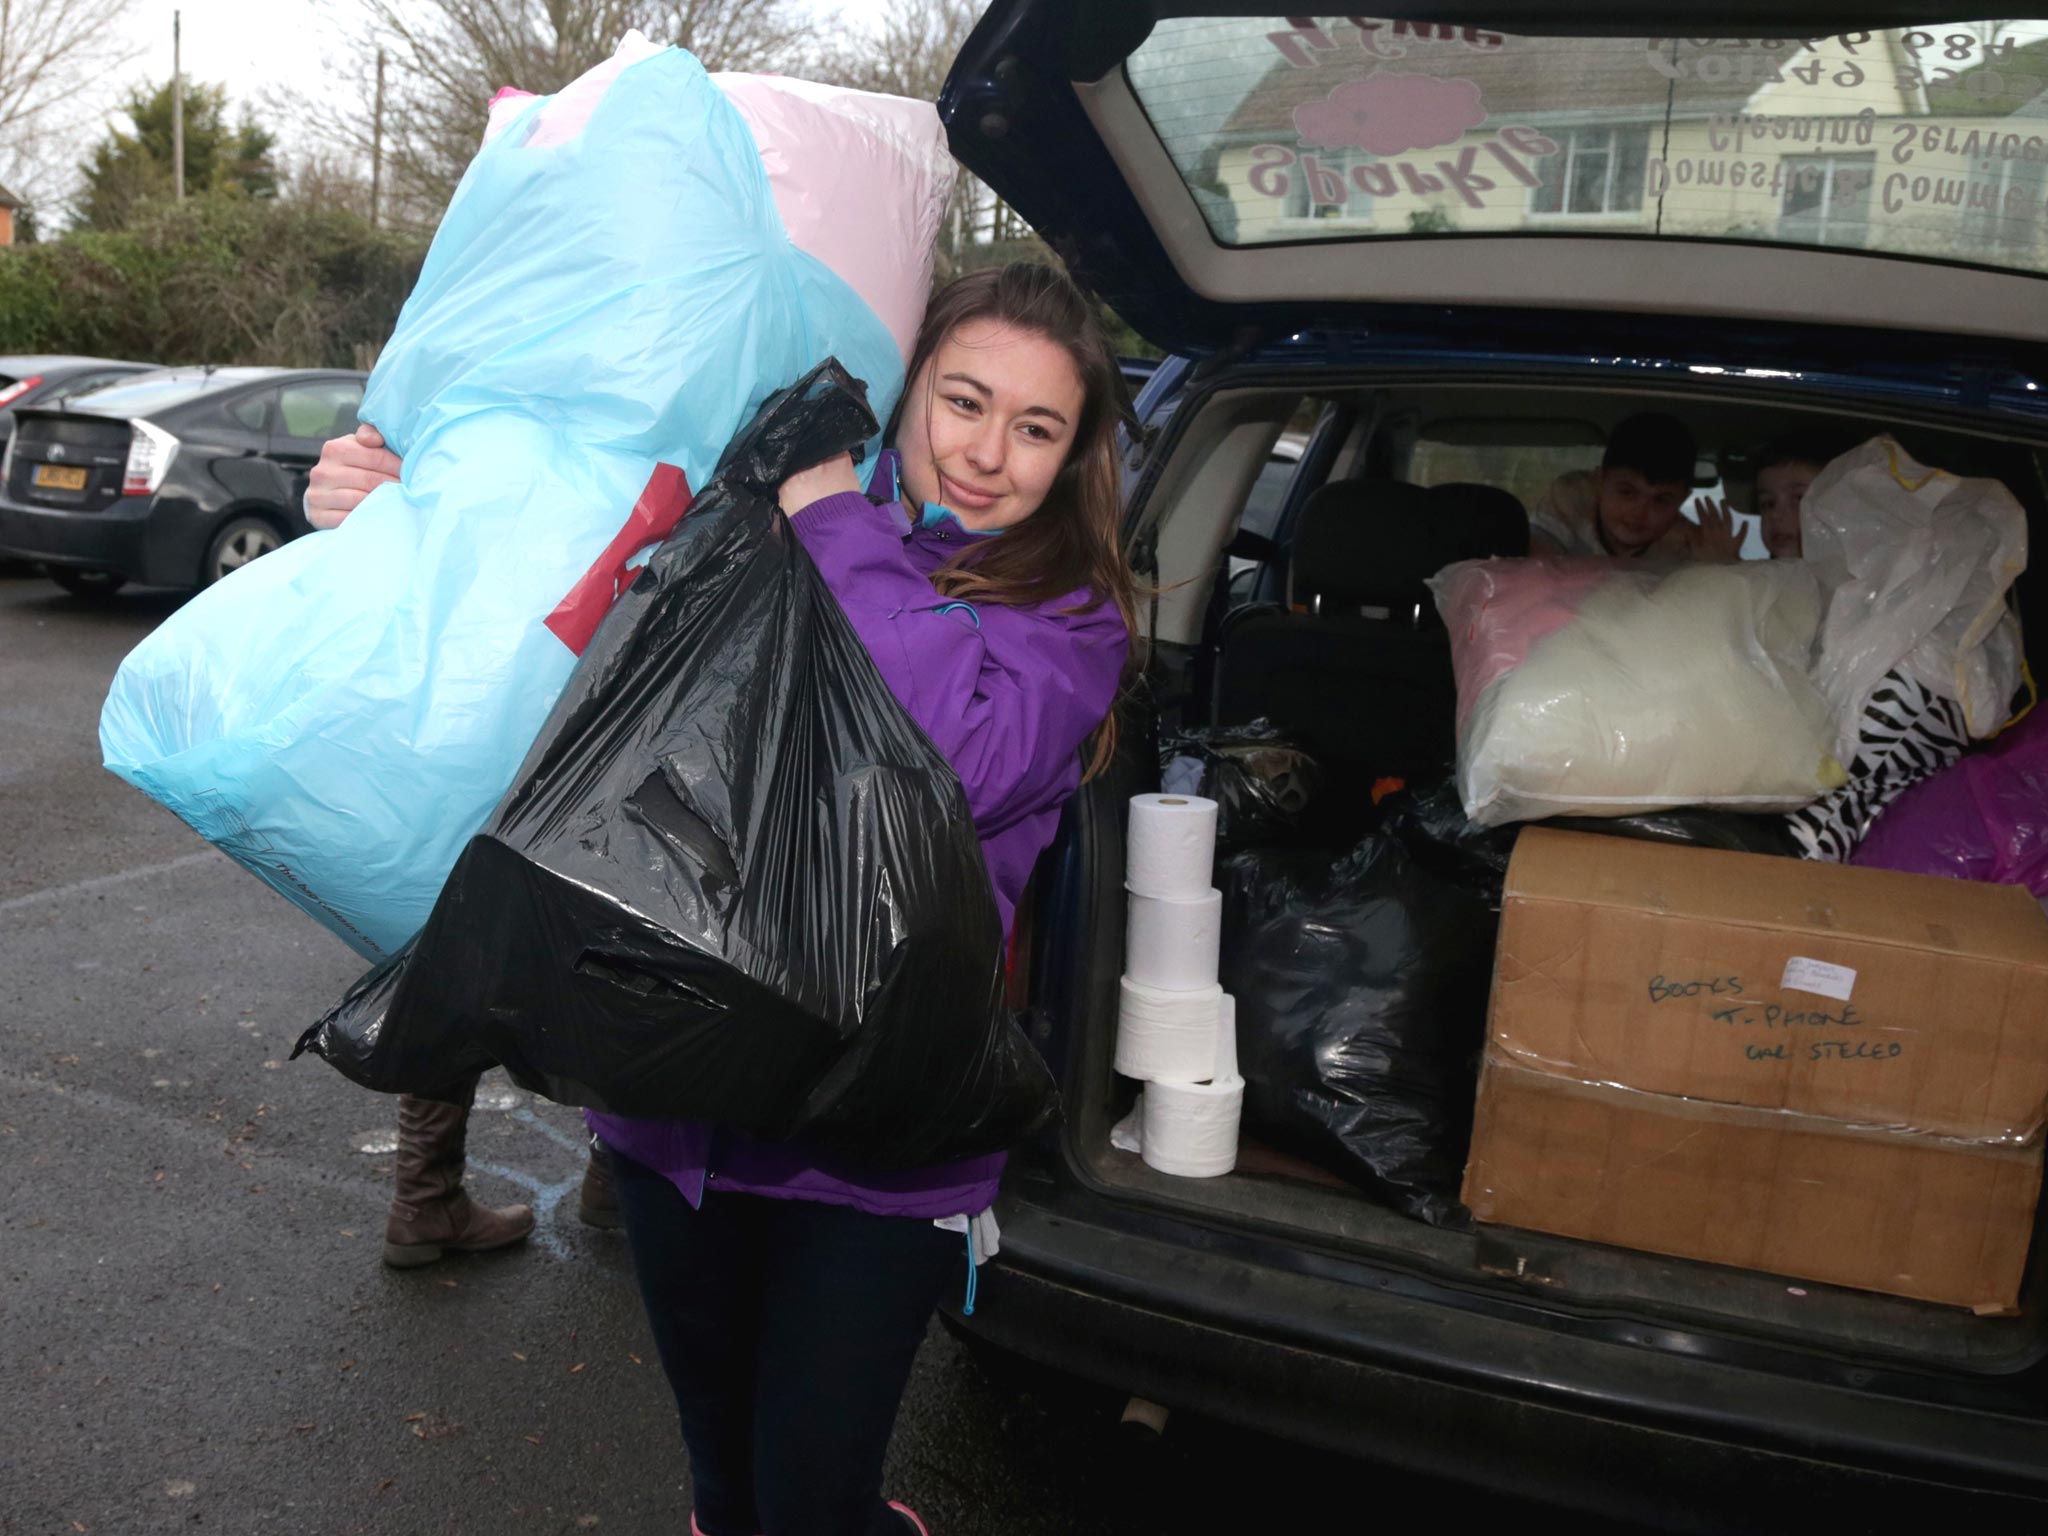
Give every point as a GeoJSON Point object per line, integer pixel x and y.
{"type": "Point", "coordinates": [447, 58]}
{"type": "Point", "coordinates": [52, 54]}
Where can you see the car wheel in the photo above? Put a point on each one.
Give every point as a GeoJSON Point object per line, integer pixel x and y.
{"type": "Point", "coordinates": [80, 583]}
{"type": "Point", "coordinates": [240, 541]}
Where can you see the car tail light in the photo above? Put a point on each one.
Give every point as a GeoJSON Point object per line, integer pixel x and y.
{"type": "Point", "coordinates": [9, 393]}
{"type": "Point", "coordinates": [150, 451]}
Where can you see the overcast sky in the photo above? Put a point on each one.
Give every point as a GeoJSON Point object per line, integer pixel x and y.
{"type": "Point", "coordinates": [261, 48]}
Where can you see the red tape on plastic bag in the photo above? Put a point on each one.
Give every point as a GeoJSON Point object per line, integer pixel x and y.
{"type": "Point", "coordinates": [654, 516]}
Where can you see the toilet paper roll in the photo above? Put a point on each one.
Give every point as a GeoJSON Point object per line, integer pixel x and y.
{"type": "Point", "coordinates": [1172, 943]}
{"type": "Point", "coordinates": [1190, 1129]}
{"type": "Point", "coordinates": [1172, 845]}
{"type": "Point", "coordinates": [1128, 1134]}
{"type": "Point", "coordinates": [1226, 1041]}
{"type": "Point", "coordinates": [1167, 1036]}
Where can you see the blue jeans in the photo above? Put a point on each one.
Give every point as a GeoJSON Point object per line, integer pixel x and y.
{"type": "Point", "coordinates": [787, 1329]}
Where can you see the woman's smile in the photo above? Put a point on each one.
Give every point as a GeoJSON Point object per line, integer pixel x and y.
{"type": "Point", "coordinates": [961, 497]}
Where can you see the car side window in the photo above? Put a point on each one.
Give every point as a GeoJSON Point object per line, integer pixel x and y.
{"type": "Point", "coordinates": [319, 408]}
{"type": "Point", "coordinates": [253, 411]}
{"type": "Point", "coordinates": [1268, 495]}
{"type": "Point", "coordinates": [1261, 516]}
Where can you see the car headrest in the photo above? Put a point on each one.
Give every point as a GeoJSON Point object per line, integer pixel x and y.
{"type": "Point", "coordinates": [1361, 540]}
{"type": "Point", "coordinates": [1479, 522]}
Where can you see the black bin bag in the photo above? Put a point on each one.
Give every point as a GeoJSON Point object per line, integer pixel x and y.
{"type": "Point", "coordinates": [1263, 783]}
{"type": "Point", "coordinates": [1361, 992]}
{"type": "Point", "coordinates": [1362, 985]}
{"type": "Point", "coordinates": [733, 880]}
{"type": "Point", "coordinates": [1431, 824]}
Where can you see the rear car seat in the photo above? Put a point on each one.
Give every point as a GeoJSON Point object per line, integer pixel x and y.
{"type": "Point", "coordinates": [1356, 665]}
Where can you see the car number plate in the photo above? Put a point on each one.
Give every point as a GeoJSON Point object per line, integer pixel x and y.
{"type": "Point", "coordinates": [60, 477]}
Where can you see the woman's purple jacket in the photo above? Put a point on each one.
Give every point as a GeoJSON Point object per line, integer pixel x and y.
{"type": "Point", "coordinates": [1009, 695]}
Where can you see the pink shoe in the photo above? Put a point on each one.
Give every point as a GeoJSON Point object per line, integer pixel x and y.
{"type": "Point", "coordinates": [911, 1515]}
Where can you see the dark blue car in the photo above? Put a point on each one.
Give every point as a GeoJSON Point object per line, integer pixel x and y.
{"type": "Point", "coordinates": [1455, 250]}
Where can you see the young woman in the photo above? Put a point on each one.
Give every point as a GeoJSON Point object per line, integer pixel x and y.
{"type": "Point", "coordinates": [983, 570]}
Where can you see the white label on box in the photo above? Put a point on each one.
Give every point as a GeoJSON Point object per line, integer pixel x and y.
{"type": "Point", "coordinates": [1804, 975]}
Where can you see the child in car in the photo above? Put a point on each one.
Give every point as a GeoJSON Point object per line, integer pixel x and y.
{"type": "Point", "coordinates": [1785, 467]}
{"type": "Point", "coordinates": [1630, 506]}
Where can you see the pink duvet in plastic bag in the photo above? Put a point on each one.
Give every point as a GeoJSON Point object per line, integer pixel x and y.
{"type": "Point", "coordinates": [833, 156]}
{"type": "Point", "coordinates": [1609, 688]}
{"type": "Point", "coordinates": [1506, 607]}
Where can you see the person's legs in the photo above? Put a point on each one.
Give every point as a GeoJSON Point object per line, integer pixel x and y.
{"type": "Point", "coordinates": [699, 1273]}
{"type": "Point", "coordinates": [597, 1202]}
{"type": "Point", "coordinates": [845, 1301]}
{"type": "Point", "coordinates": [430, 1210]}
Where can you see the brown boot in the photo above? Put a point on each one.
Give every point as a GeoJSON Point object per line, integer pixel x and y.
{"type": "Point", "coordinates": [431, 1212]}
{"type": "Point", "coordinates": [598, 1203]}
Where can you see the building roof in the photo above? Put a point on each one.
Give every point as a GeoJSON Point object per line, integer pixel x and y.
{"type": "Point", "coordinates": [1593, 76]}
{"type": "Point", "coordinates": [8, 199]}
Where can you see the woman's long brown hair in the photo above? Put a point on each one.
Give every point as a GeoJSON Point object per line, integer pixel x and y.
{"type": "Point", "coordinates": [1074, 539]}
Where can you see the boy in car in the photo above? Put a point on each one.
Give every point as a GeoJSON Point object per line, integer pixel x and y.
{"type": "Point", "coordinates": [1629, 507]}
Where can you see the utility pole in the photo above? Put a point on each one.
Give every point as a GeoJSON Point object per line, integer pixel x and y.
{"type": "Point", "coordinates": [377, 145]}
{"type": "Point", "coordinates": [177, 107]}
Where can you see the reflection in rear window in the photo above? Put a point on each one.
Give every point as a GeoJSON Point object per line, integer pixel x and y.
{"type": "Point", "coordinates": [1916, 141]}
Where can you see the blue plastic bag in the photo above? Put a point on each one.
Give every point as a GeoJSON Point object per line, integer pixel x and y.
{"type": "Point", "coordinates": [595, 321]}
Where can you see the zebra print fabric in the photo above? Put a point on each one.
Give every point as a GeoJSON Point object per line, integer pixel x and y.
{"type": "Point", "coordinates": [1908, 732]}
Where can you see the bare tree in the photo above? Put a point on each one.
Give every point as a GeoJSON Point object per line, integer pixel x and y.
{"type": "Point", "coordinates": [52, 54]}
{"type": "Point", "coordinates": [909, 54]}
{"type": "Point", "coordinates": [448, 57]}
{"type": "Point", "coordinates": [749, 35]}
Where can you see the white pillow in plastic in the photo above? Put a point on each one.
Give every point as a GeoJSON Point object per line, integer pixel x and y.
{"type": "Point", "coordinates": [1590, 688]}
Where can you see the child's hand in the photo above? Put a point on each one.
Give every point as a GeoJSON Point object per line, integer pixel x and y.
{"type": "Point", "coordinates": [1717, 537]}
{"type": "Point", "coordinates": [349, 469]}
{"type": "Point", "coordinates": [816, 483]}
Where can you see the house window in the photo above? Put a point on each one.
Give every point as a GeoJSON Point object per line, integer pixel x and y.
{"type": "Point", "coordinates": [1338, 194]}
{"type": "Point", "coordinates": [1595, 171]}
{"type": "Point", "coordinates": [1827, 199]}
{"type": "Point", "coordinates": [2002, 209]}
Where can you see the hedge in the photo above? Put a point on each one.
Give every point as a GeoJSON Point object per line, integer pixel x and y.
{"type": "Point", "coordinates": [218, 279]}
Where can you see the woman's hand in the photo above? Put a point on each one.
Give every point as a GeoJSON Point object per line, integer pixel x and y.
{"type": "Point", "coordinates": [1717, 537]}
{"type": "Point", "coordinates": [349, 469]}
{"type": "Point", "coordinates": [816, 483]}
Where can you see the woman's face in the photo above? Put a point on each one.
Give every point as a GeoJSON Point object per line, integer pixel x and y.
{"type": "Point", "coordinates": [988, 422]}
{"type": "Point", "coordinates": [1779, 492]}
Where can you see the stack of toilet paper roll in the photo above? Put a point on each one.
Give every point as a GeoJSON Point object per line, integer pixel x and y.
{"type": "Point", "coordinates": [1176, 1028]}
